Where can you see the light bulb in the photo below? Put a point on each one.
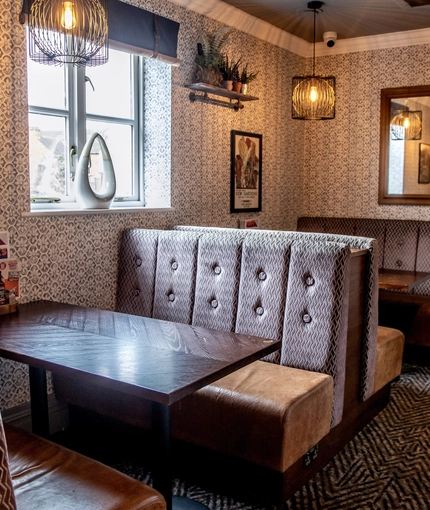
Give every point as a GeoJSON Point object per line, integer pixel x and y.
{"type": "Point", "coordinates": [406, 123]}
{"type": "Point", "coordinates": [68, 19]}
{"type": "Point", "coordinates": [314, 94]}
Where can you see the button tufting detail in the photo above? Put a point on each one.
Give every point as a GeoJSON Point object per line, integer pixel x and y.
{"type": "Point", "coordinates": [138, 261]}
{"type": "Point", "coordinates": [262, 276]}
{"type": "Point", "coordinates": [259, 310]}
{"type": "Point", "coordinates": [307, 318]}
{"type": "Point", "coordinates": [310, 281]}
{"type": "Point", "coordinates": [175, 265]}
{"type": "Point", "coordinates": [136, 292]}
{"type": "Point", "coordinates": [399, 263]}
{"type": "Point", "coordinates": [172, 297]}
{"type": "Point", "coordinates": [217, 270]}
{"type": "Point", "coordinates": [214, 303]}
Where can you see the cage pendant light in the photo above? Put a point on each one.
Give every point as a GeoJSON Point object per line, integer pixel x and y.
{"type": "Point", "coordinates": [313, 96]}
{"type": "Point", "coordinates": [68, 32]}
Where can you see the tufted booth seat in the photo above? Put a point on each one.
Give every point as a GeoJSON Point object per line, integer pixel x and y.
{"type": "Point", "coordinates": [36, 474]}
{"type": "Point", "coordinates": [404, 245]}
{"type": "Point", "coordinates": [296, 287]}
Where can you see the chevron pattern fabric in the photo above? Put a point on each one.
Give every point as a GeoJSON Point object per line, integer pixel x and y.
{"type": "Point", "coordinates": [175, 276]}
{"type": "Point", "coordinates": [314, 262]}
{"type": "Point", "coordinates": [7, 496]}
{"type": "Point", "coordinates": [319, 226]}
{"type": "Point", "coordinates": [385, 467]}
{"type": "Point", "coordinates": [403, 244]}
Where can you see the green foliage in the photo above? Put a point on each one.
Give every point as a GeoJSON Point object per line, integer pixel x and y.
{"type": "Point", "coordinates": [212, 48]}
{"type": "Point", "coordinates": [211, 58]}
{"type": "Point", "coordinates": [213, 63]}
{"type": "Point", "coordinates": [247, 76]}
{"type": "Point", "coordinates": [230, 69]}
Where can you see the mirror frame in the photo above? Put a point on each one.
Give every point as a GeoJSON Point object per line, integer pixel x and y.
{"type": "Point", "coordinates": [386, 96]}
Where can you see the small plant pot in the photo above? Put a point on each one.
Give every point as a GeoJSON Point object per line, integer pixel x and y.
{"type": "Point", "coordinates": [227, 84]}
{"type": "Point", "coordinates": [237, 86]}
{"type": "Point", "coordinates": [244, 89]}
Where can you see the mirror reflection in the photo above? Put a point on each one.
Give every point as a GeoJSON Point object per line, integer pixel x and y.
{"type": "Point", "coordinates": [405, 146]}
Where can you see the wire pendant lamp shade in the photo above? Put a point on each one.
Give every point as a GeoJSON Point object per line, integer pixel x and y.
{"type": "Point", "coordinates": [313, 96]}
{"type": "Point", "coordinates": [68, 32]}
{"type": "Point", "coordinates": [406, 125]}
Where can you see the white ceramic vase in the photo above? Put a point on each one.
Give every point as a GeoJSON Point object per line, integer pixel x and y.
{"type": "Point", "coordinates": [85, 195]}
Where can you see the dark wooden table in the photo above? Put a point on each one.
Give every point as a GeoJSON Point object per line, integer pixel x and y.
{"type": "Point", "coordinates": [396, 279]}
{"type": "Point", "coordinates": [155, 360]}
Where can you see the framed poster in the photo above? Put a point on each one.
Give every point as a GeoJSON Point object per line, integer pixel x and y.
{"type": "Point", "coordinates": [424, 168]}
{"type": "Point", "coordinates": [245, 179]}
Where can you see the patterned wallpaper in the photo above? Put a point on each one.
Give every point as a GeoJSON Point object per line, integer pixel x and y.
{"type": "Point", "coordinates": [340, 175]}
{"type": "Point", "coordinates": [309, 168]}
{"type": "Point", "coordinates": [74, 258]}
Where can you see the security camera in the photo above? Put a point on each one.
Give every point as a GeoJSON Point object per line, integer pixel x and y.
{"type": "Point", "coordinates": [330, 38]}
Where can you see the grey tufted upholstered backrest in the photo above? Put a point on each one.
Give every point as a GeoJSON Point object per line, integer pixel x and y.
{"type": "Point", "coordinates": [370, 313]}
{"type": "Point", "coordinates": [403, 244]}
{"type": "Point", "coordinates": [273, 286]}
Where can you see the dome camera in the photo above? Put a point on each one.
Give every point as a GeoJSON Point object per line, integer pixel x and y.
{"type": "Point", "coordinates": [330, 38]}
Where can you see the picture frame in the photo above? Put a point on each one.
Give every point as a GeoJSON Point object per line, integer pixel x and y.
{"type": "Point", "coordinates": [424, 164]}
{"type": "Point", "coordinates": [246, 172]}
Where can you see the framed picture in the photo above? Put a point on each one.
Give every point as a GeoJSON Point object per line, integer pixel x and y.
{"type": "Point", "coordinates": [246, 151]}
{"type": "Point", "coordinates": [424, 167]}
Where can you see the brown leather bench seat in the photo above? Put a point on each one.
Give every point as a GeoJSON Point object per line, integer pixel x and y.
{"type": "Point", "coordinates": [47, 476]}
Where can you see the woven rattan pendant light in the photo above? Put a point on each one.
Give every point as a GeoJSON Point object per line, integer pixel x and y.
{"type": "Point", "coordinates": [68, 32]}
{"type": "Point", "coordinates": [313, 96]}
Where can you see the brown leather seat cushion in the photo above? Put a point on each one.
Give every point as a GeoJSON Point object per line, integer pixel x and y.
{"type": "Point", "coordinates": [389, 356]}
{"type": "Point", "coordinates": [47, 476]}
{"type": "Point", "coordinates": [264, 413]}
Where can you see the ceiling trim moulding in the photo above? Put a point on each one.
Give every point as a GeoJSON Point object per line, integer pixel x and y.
{"type": "Point", "coordinates": [229, 15]}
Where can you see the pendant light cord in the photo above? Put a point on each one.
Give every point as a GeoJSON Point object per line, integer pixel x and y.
{"type": "Point", "coordinates": [313, 66]}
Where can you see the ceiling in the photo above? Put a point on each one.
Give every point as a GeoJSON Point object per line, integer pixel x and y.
{"type": "Point", "coordinates": [349, 18]}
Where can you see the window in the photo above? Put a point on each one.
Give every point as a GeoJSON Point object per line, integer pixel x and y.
{"type": "Point", "coordinates": [127, 101]}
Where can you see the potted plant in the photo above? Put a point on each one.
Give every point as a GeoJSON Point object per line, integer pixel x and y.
{"type": "Point", "coordinates": [247, 77]}
{"type": "Point", "coordinates": [210, 57]}
{"type": "Point", "coordinates": [230, 72]}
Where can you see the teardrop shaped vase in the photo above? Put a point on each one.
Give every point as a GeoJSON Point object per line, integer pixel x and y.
{"type": "Point", "coordinates": [85, 195]}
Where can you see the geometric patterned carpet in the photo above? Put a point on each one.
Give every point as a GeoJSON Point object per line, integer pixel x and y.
{"type": "Point", "coordinates": [386, 466]}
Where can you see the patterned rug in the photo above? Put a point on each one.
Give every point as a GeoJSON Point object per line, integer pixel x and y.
{"type": "Point", "coordinates": [386, 466]}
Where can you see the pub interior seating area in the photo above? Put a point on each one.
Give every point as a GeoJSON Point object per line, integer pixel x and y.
{"type": "Point", "coordinates": [214, 254]}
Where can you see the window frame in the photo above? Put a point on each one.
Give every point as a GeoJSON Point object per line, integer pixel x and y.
{"type": "Point", "coordinates": [76, 119]}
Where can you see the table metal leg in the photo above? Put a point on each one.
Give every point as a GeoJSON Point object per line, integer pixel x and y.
{"type": "Point", "coordinates": [39, 402]}
{"type": "Point", "coordinates": [162, 470]}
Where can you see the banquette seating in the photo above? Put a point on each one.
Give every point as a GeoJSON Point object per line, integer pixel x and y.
{"type": "Point", "coordinates": [331, 376]}
{"type": "Point", "coordinates": [403, 245]}
{"type": "Point", "coordinates": [36, 474]}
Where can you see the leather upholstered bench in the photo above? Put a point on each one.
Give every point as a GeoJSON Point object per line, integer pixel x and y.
{"type": "Point", "coordinates": [309, 290]}
{"type": "Point", "coordinates": [36, 474]}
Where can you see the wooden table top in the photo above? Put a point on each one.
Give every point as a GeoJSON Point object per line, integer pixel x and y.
{"type": "Point", "coordinates": [396, 279]}
{"type": "Point", "coordinates": [153, 359]}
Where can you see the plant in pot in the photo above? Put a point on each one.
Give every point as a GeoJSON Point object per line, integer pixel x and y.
{"type": "Point", "coordinates": [246, 77]}
{"type": "Point", "coordinates": [230, 72]}
{"type": "Point", "coordinates": [210, 57]}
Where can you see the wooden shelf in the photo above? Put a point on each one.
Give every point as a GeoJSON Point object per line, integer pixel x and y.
{"type": "Point", "coordinates": [236, 98]}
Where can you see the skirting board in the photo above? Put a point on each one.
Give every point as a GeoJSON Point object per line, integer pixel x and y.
{"type": "Point", "coordinates": [20, 416]}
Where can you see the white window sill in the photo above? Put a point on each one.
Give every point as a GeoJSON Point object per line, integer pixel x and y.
{"type": "Point", "coordinates": [80, 212]}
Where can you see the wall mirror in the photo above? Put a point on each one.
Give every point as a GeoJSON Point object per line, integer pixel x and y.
{"type": "Point", "coordinates": [404, 168]}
